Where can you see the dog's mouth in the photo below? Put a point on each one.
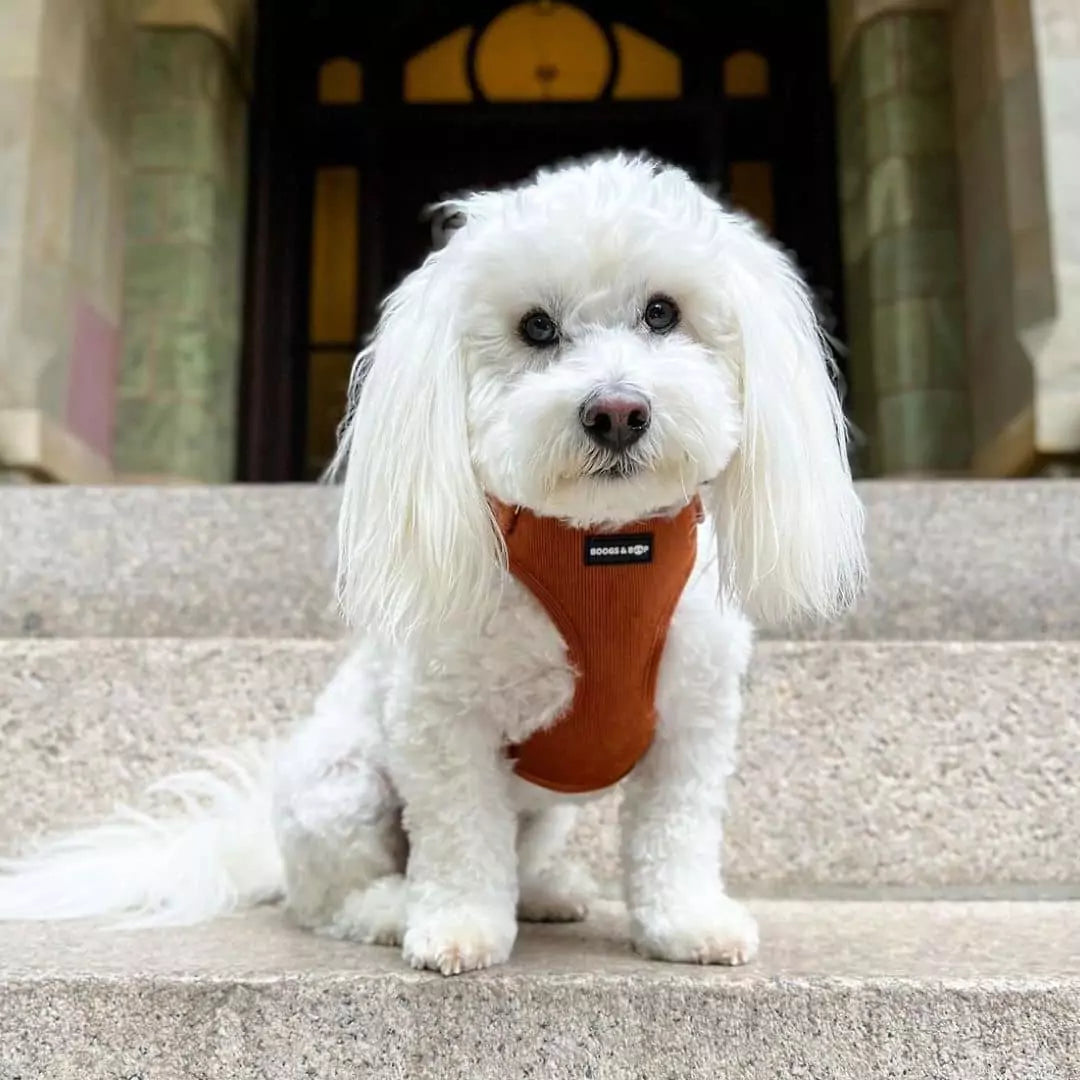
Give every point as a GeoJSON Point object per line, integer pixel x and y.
{"type": "Point", "coordinates": [618, 470]}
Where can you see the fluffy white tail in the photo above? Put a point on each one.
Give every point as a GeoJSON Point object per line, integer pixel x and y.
{"type": "Point", "coordinates": [214, 852]}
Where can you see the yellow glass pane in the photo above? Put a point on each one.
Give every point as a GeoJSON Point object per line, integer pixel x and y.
{"type": "Point", "coordinates": [328, 384]}
{"type": "Point", "coordinates": [341, 82]}
{"type": "Point", "coordinates": [334, 252]}
{"type": "Point", "coordinates": [746, 74]}
{"type": "Point", "coordinates": [750, 187]}
{"type": "Point", "coordinates": [437, 73]}
{"type": "Point", "coordinates": [646, 68]}
{"type": "Point", "coordinates": [543, 51]}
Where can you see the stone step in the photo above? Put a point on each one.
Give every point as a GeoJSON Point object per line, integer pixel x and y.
{"type": "Point", "coordinates": [849, 991]}
{"type": "Point", "coordinates": [951, 560]}
{"type": "Point", "coordinates": [918, 768]}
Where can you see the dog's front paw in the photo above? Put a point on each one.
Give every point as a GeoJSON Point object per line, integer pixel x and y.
{"type": "Point", "coordinates": [459, 939]}
{"type": "Point", "coordinates": [560, 894]}
{"type": "Point", "coordinates": [723, 932]}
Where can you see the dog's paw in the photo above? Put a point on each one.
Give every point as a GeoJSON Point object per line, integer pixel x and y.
{"type": "Point", "coordinates": [371, 916]}
{"type": "Point", "coordinates": [723, 933]}
{"type": "Point", "coordinates": [561, 894]}
{"type": "Point", "coordinates": [458, 940]}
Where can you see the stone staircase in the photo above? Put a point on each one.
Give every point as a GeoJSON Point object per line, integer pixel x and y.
{"type": "Point", "coordinates": [905, 822]}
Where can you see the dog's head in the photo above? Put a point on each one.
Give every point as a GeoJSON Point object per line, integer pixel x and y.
{"type": "Point", "coordinates": [598, 345]}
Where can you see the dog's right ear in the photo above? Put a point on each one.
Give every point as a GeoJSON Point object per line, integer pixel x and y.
{"type": "Point", "coordinates": [418, 549]}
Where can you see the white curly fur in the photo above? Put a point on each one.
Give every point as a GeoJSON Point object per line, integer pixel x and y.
{"type": "Point", "coordinates": [395, 817]}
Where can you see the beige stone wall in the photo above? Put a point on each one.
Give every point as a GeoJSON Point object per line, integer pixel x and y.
{"type": "Point", "coordinates": [1008, 284]}
{"type": "Point", "coordinates": [63, 153]}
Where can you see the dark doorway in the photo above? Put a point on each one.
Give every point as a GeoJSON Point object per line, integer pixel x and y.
{"type": "Point", "coordinates": [362, 118]}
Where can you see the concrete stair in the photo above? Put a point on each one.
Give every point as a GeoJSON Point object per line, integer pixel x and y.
{"type": "Point", "coordinates": [950, 991]}
{"type": "Point", "coordinates": [912, 767]}
{"type": "Point", "coordinates": [952, 561]}
{"type": "Point", "coordinates": [904, 821]}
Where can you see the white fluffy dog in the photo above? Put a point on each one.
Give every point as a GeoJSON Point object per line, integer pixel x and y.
{"type": "Point", "coordinates": [393, 814]}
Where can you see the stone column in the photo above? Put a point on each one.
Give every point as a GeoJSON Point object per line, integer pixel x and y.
{"type": "Point", "coordinates": [1053, 342]}
{"type": "Point", "coordinates": [901, 236]}
{"type": "Point", "coordinates": [63, 149]}
{"type": "Point", "coordinates": [177, 397]}
{"type": "Point", "coordinates": [1006, 255]}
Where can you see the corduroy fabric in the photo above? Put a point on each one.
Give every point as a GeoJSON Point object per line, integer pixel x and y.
{"type": "Point", "coordinates": [614, 620]}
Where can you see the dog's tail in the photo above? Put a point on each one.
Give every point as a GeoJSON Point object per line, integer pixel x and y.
{"type": "Point", "coordinates": [212, 852]}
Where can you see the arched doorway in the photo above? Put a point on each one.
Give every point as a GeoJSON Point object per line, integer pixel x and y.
{"type": "Point", "coordinates": [364, 118]}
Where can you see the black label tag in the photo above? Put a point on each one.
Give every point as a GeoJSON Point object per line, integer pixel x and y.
{"type": "Point", "coordinates": [613, 550]}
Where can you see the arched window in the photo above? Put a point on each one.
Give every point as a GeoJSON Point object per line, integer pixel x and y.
{"type": "Point", "coordinates": [543, 50]}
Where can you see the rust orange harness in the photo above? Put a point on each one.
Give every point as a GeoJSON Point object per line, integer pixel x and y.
{"type": "Point", "coordinates": [612, 597]}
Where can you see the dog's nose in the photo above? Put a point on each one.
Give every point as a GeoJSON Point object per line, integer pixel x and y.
{"type": "Point", "coordinates": [616, 419]}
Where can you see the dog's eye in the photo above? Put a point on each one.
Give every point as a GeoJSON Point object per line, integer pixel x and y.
{"type": "Point", "coordinates": [661, 314]}
{"type": "Point", "coordinates": [538, 328]}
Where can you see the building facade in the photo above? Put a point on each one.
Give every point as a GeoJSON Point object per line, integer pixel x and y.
{"type": "Point", "coordinates": [202, 200]}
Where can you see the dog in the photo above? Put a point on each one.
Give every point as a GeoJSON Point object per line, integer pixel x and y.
{"type": "Point", "coordinates": [612, 353]}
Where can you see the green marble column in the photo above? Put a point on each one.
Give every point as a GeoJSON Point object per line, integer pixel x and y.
{"type": "Point", "coordinates": [177, 408]}
{"type": "Point", "coordinates": [901, 246]}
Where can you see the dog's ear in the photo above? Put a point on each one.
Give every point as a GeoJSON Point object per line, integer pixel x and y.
{"type": "Point", "coordinates": [788, 520]}
{"type": "Point", "coordinates": [417, 545]}
{"type": "Point", "coordinates": [446, 218]}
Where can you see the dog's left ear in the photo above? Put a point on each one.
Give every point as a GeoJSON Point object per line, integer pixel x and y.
{"type": "Point", "coordinates": [789, 522]}
{"type": "Point", "coordinates": [418, 548]}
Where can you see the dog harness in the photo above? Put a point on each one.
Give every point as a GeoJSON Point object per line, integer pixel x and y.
{"type": "Point", "coordinates": [612, 597]}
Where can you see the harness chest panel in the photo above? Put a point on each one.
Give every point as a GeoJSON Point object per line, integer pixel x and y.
{"type": "Point", "coordinates": [612, 597]}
